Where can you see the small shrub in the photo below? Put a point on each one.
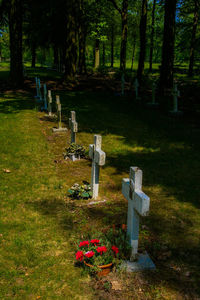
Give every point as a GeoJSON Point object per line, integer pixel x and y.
{"type": "Point", "coordinates": [78, 191]}
{"type": "Point", "coordinates": [75, 149]}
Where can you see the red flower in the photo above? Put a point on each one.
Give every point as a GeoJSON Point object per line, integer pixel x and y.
{"type": "Point", "coordinates": [101, 249]}
{"type": "Point", "coordinates": [115, 249]}
{"type": "Point", "coordinates": [89, 254]}
{"type": "Point", "coordinates": [95, 242]}
{"type": "Point", "coordinates": [83, 244]}
{"type": "Point", "coordinates": [79, 255]}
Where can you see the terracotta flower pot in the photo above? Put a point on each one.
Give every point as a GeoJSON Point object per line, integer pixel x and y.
{"type": "Point", "coordinates": [105, 269]}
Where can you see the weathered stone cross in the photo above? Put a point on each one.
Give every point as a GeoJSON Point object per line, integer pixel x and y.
{"type": "Point", "coordinates": [138, 205]}
{"type": "Point", "coordinates": [45, 98]}
{"type": "Point", "coordinates": [60, 128]}
{"type": "Point", "coordinates": [49, 103]}
{"type": "Point", "coordinates": [98, 159]}
{"type": "Point", "coordinates": [153, 101]}
{"type": "Point", "coordinates": [37, 87]}
{"type": "Point", "coordinates": [73, 125]}
{"type": "Point", "coordinates": [176, 94]}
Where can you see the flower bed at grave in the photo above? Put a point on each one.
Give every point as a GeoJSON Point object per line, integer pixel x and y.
{"type": "Point", "coordinates": [78, 191]}
{"type": "Point", "coordinates": [109, 248]}
{"type": "Point", "coordinates": [74, 149]}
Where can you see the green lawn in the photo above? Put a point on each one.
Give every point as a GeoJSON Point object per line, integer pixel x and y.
{"type": "Point", "coordinates": [39, 223]}
{"type": "Point", "coordinates": [36, 258]}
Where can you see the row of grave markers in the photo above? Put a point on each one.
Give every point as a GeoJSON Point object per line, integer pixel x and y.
{"type": "Point", "coordinates": [175, 94]}
{"type": "Point", "coordinates": [138, 202]}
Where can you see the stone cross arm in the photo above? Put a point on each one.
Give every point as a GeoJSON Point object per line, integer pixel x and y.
{"type": "Point", "coordinates": [141, 201]}
{"type": "Point", "coordinates": [97, 155]}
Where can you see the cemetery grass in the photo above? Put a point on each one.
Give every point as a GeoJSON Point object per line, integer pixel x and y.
{"type": "Point", "coordinates": [36, 229]}
{"type": "Point", "coordinates": [167, 150]}
{"type": "Point", "coordinates": [40, 224]}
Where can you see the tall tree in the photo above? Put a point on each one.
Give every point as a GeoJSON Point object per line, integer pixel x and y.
{"type": "Point", "coordinates": [124, 19]}
{"type": "Point", "coordinates": [152, 36]}
{"type": "Point", "coordinates": [15, 30]}
{"type": "Point", "coordinates": [143, 26]}
{"type": "Point", "coordinates": [193, 38]}
{"type": "Point", "coordinates": [166, 72]}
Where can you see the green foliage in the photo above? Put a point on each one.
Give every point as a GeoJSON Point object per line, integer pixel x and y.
{"type": "Point", "coordinates": [78, 191]}
{"type": "Point", "coordinates": [75, 149]}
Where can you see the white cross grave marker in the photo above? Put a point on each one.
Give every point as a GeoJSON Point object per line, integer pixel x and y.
{"type": "Point", "coordinates": [73, 125]}
{"type": "Point", "coordinates": [122, 84]}
{"type": "Point", "coordinates": [49, 103]}
{"type": "Point", "coordinates": [45, 97]}
{"type": "Point", "coordinates": [138, 206]}
{"type": "Point", "coordinates": [136, 86]}
{"type": "Point", "coordinates": [37, 87]}
{"type": "Point", "coordinates": [153, 102]}
{"type": "Point", "coordinates": [98, 159]}
{"type": "Point", "coordinates": [60, 128]}
{"type": "Point", "coordinates": [39, 90]}
{"type": "Point", "coordinates": [176, 94]}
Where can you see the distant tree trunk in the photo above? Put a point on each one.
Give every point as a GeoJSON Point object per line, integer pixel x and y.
{"type": "Point", "coordinates": [71, 47]}
{"type": "Point", "coordinates": [193, 39]}
{"type": "Point", "coordinates": [0, 53]}
{"type": "Point", "coordinates": [82, 46]}
{"type": "Point", "coordinates": [82, 39]}
{"type": "Point", "coordinates": [143, 26]}
{"type": "Point", "coordinates": [124, 17]}
{"type": "Point", "coordinates": [55, 57]}
{"type": "Point", "coordinates": [166, 72]}
{"type": "Point", "coordinates": [33, 54]}
{"type": "Point", "coordinates": [152, 36]}
{"type": "Point", "coordinates": [15, 31]}
{"type": "Point", "coordinates": [133, 53]}
{"type": "Point", "coordinates": [97, 54]}
{"type": "Point", "coordinates": [103, 54]}
{"type": "Point", "coordinates": [112, 47]}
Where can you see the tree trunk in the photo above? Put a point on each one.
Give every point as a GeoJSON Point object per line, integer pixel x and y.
{"type": "Point", "coordinates": [124, 17]}
{"type": "Point", "coordinates": [71, 53]}
{"type": "Point", "coordinates": [97, 54]}
{"type": "Point", "coordinates": [82, 46]}
{"type": "Point", "coordinates": [166, 72]}
{"type": "Point", "coordinates": [143, 26]}
{"type": "Point", "coordinates": [193, 39]}
{"type": "Point", "coordinates": [112, 47]}
{"type": "Point", "coordinates": [55, 57]}
{"type": "Point", "coordinates": [33, 54]}
{"type": "Point", "coordinates": [103, 54]}
{"type": "Point", "coordinates": [152, 36]}
{"type": "Point", "coordinates": [15, 31]}
{"type": "Point", "coordinates": [133, 54]}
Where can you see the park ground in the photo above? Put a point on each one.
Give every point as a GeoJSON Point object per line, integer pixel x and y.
{"type": "Point", "coordinates": [40, 224]}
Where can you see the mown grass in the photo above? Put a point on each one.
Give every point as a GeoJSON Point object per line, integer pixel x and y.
{"type": "Point", "coordinates": [36, 258]}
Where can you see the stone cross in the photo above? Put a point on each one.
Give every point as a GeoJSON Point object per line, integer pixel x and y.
{"type": "Point", "coordinates": [136, 86]}
{"type": "Point", "coordinates": [138, 206]}
{"type": "Point", "coordinates": [98, 159]}
{"type": "Point", "coordinates": [153, 101]}
{"type": "Point", "coordinates": [49, 103]}
{"type": "Point", "coordinates": [37, 87]}
{"type": "Point", "coordinates": [176, 94]}
{"type": "Point", "coordinates": [45, 97]}
{"type": "Point", "coordinates": [122, 84]}
{"type": "Point", "coordinates": [73, 125]}
{"type": "Point", "coordinates": [60, 128]}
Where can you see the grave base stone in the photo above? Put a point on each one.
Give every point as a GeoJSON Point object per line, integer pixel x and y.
{"type": "Point", "coordinates": [59, 129]}
{"type": "Point", "coordinates": [74, 157]}
{"type": "Point", "coordinates": [143, 262]}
